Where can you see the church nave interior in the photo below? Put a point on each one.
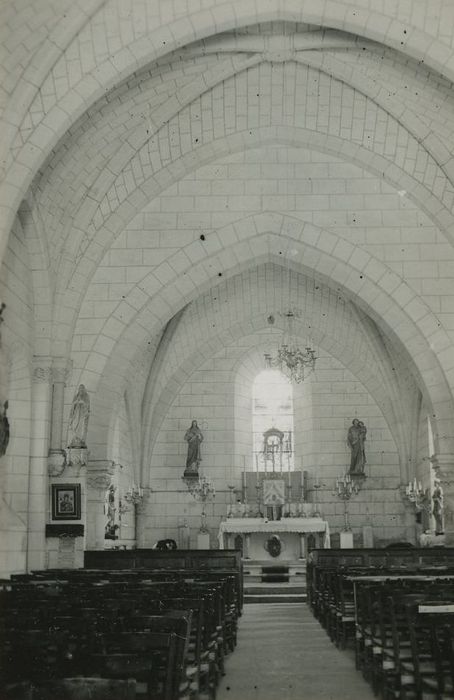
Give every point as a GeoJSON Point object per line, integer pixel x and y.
{"type": "Point", "coordinates": [226, 347]}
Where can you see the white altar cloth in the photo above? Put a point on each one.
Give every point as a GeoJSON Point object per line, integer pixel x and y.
{"type": "Point", "coordinates": [249, 525]}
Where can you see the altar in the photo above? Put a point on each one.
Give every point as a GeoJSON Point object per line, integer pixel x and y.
{"type": "Point", "coordinates": [291, 534]}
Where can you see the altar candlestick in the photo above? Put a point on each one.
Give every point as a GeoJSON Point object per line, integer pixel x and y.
{"type": "Point", "coordinates": [245, 486]}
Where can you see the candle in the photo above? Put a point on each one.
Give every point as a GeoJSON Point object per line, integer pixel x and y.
{"type": "Point", "coordinates": [256, 462]}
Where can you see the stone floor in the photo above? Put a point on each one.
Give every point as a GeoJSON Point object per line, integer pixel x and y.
{"type": "Point", "coordinates": [284, 654]}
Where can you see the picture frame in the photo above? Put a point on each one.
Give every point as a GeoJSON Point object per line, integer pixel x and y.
{"type": "Point", "coordinates": [66, 502]}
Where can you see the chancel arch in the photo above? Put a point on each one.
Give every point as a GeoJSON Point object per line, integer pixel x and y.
{"type": "Point", "coordinates": [380, 297]}
{"type": "Point", "coordinates": [321, 421]}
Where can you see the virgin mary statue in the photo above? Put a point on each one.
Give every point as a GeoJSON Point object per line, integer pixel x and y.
{"type": "Point", "coordinates": [194, 438]}
{"type": "Point", "coordinates": [78, 419]}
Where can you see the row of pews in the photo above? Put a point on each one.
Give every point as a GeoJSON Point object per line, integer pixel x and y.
{"type": "Point", "coordinates": [157, 633]}
{"type": "Point", "coordinates": [396, 609]}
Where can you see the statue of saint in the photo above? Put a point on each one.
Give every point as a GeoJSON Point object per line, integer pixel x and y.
{"type": "Point", "coordinates": [111, 526]}
{"type": "Point", "coordinates": [78, 419]}
{"type": "Point", "coordinates": [356, 438]}
{"type": "Point", "coordinates": [194, 438]}
{"type": "Point", "coordinates": [4, 429]}
{"type": "Point", "coordinates": [437, 512]}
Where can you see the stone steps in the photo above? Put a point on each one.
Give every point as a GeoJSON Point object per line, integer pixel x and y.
{"type": "Point", "coordinates": [274, 593]}
{"type": "Point", "coordinates": [274, 582]}
{"type": "Point", "coordinates": [281, 598]}
{"type": "Point", "coordinates": [271, 589]}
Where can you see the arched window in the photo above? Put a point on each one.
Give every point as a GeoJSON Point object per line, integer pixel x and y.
{"type": "Point", "coordinates": [272, 407]}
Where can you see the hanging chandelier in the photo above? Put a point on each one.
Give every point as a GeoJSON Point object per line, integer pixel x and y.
{"type": "Point", "coordinates": [295, 363]}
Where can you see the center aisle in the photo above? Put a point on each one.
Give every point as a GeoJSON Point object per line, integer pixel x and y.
{"type": "Point", "coordinates": [284, 654]}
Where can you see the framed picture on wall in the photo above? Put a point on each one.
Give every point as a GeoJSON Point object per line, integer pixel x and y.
{"type": "Point", "coordinates": [66, 502]}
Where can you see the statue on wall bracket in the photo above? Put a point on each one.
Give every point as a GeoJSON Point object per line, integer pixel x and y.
{"type": "Point", "coordinates": [77, 454]}
{"type": "Point", "coordinates": [356, 439]}
{"type": "Point", "coordinates": [78, 419]}
{"type": "Point", "coordinates": [194, 438]}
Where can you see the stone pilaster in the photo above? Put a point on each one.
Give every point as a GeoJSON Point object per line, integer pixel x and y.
{"type": "Point", "coordinates": [99, 478]}
{"type": "Point", "coordinates": [57, 457]}
{"type": "Point", "coordinates": [443, 465]}
{"type": "Point", "coordinates": [39, 448]}
{"type": "Point", "coordinates": [142, 515]}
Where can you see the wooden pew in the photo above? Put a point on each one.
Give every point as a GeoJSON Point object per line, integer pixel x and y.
{"type": "Point", "coordinates": [188, 559]}
{"type": "Point", "coordinates": [86, 606]}
{"type": "Point", "coordinates": [402, 652]}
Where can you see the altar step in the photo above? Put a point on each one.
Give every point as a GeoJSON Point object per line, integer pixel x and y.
{"type": "Point", "coordinates": [256, 571]}
{"type": "Point", "coordinates": [275, 574]}
{"type": "Point", "coordinates": [274, 593]}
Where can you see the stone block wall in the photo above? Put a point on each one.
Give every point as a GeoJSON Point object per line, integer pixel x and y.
{"type": "Point", "coordinates": [325, 405]}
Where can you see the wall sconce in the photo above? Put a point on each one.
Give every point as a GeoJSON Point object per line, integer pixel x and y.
{"type": "Point", "coordinates": [134, 495]}
{"type": "Point", "coordinates": [414, 493]}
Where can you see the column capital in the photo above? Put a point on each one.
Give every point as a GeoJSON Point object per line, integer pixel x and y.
{"type": "Point", "coordinates": [99, 474]}
{"type": "Point", "coordinates": [51, 369]}
{"type": "Point", "coordinates": [42, 369]}
{"type": "Point", "coordinates": [61, 369]}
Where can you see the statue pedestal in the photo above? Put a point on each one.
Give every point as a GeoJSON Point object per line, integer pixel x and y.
{"type": "Point", "coordinates": [346, 540]}
{"type": "Point", "coordinates": [203, 540]}
{"type": "Point", "coordinates": [430, 539]}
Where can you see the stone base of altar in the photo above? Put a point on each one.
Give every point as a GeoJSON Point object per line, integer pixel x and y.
{"type": "Point", "coordinates": [277, 541]}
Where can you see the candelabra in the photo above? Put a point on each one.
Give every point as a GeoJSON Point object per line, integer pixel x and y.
{"type": "Point", "coordinates": [122, 508]}
{"type": "Point", "coordinates": [414, 493]}
{"type": "Point", "coordinates": [134, 495]}
{"type": "Point", "coordinates": [259, 513]}
{"type": "Point", "coordinates": [316, 487]}
{"type": "Point", "coordinates": [232, 491]}
{"type": "Point", "coordinates": [345, 489]}
{"type": "Point", "coordinates": [203, 490]}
